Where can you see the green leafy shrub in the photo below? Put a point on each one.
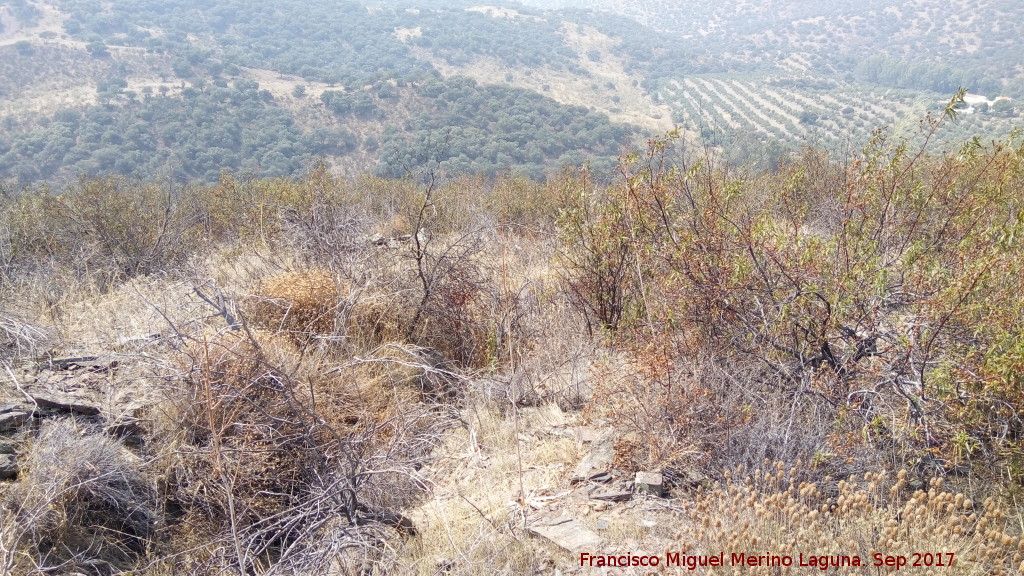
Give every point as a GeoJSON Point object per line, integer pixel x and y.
{"type": "Point", "coordinates": [886, 287]}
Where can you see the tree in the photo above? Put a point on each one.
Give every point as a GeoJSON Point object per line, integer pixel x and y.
{"type": "Point", "coordinates": [98, 49]}
{"type": "Point", "coordinates": [1003, 108]}
{"type": "Point", "coordinates": [299, 91]}
{"type": "Point", "coordinates": [24, 48]}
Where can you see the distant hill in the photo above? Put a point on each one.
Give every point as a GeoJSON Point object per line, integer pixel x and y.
{"type": "Point", "coordinates": [185, 89]}
{"type": "Point", "coordinates": [984, 37]}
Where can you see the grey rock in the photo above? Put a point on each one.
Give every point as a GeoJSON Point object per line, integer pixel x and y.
{"type": "Point", "coordinates": [130, 430]}
{"type": "Point", "coordinates": [567, 532]}
{"type": "Point", "coordinates": [650, 483]}
{"type": "Point", "coordinates": [612, 495]}
{"type": "Point", "coordinates": [599, 459]}
{"type": "Point", "coordinates": [88, 363]}
{"type": "Point", "coordinates": [126, 426]}
{"type": "Point", "coordinates": [8, 466]}
{"type": "Point", "coordinates": [13, 418]}
{"type": "Point", "coordinates": [65, 403]}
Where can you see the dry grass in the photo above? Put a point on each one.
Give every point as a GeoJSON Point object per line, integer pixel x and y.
{"type": "Point", "coordinates": [315, 386]}
{"type": "Point", "coordinates": [82, 504]}
{"type": "Point", "coordinates": [485, 478]}
{"type": "Point", "coordinates": [19, 339]}
{"type": "Point", "coordinates": [770, 511]}
{"type": "Point", "coordinates": [301, 304]}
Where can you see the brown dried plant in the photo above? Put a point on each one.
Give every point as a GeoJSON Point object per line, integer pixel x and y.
{"type": "Point", "coordinates": [773, 511]}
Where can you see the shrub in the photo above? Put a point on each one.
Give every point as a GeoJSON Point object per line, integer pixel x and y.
{"type": "Point", "coordinates": [598, 255]}
{"type": "Point", "coordinates": [883, 290]}
{"type": "Point", "coordinates": [250, 452]}
{"type": "Point", "coordinates": [103, 230]}
{"type": "Point", "coordinates": [303, 305]}
{"type": "Point", "coordinates": [133, 228]}
{"type": "Point", "coordinates": [279, 462]}
{"type": "Point", "coordinates": [20, 340]}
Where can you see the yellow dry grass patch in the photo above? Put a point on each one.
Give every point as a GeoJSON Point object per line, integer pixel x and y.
{"type": "Point", "coordinates": [132, 314]}
{"type": "Point", "coordinates": [310, 305]}
{"type": "Point", "coordinates": [302, 304]}
{"type": "Point", "coordinates": [473, 521]}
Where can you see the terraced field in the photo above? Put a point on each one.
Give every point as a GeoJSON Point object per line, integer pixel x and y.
{"type": "Point", "coordinates": [771, 108]}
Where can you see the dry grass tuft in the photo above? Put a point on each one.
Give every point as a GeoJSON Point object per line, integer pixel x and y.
{"type": "Point", "coordinates": [240, 421]}
{"type": "Point", "coordinates": [302, 304]}
{"type": "Point", "coordinates": [81, 504]}
{"type": "Point", "coordinates": [275, 459]}
{"type": "Point", "coordinates": [20, 339]}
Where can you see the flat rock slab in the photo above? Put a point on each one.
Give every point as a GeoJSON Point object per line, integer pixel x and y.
{"type": "Point", "coordinates": [612, 496]}
{"type": "Point", "coordinates": [568, 533]}
{"type": "Point", "coordinates": [70, 381]}
{"type": "Point", "coordinates": [599, 459]}
{"type": "Point", "coordinates": [65, 403]}
{"type": "Point", "coordinates": [89, 363]}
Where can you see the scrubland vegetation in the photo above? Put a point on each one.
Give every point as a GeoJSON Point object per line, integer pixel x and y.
{"type": "Point", "coordinates": [222, 356]}
{"type": "Point", "coordinates": [136, 88]}
{"type": "Point", "coordinates": [352, 376]}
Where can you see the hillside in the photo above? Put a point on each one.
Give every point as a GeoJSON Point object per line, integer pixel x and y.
{"type": "Point", "coordinates": [441, 288]}
{"type": "Point", "coordinates": [243, 95]}
{"type": "Point", "coordinates": [430, 288]}
{"type": "Point", "coordinates": [185, 90]}
{"type": "Point", "coordinates": [836, 35]}
{"type": "Point", "coordinates": [819, 364]}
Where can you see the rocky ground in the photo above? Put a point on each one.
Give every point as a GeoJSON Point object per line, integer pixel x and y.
{"type": "Point", "coordinates": [536, 477]}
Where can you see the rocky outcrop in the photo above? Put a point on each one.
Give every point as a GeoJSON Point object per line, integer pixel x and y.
{"type": "Point", "coordinates": [599, 460]}
{"type": "Point", "coordinates": [8, 466]}
{"type": "Point", "coordinates": [61, 388]}
{"type": "Point", "coordinates": [12, 416]}
{"type": "Point", "coordinates": [61, 402]}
